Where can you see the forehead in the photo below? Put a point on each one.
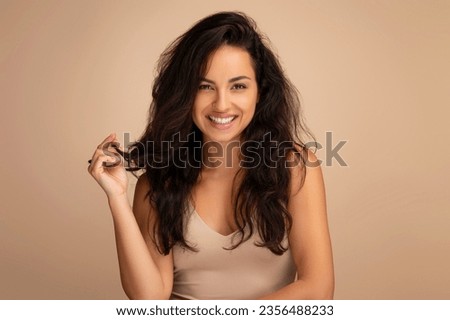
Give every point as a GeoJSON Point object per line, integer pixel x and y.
{"type": "Point", "coordinates": [229, 61]}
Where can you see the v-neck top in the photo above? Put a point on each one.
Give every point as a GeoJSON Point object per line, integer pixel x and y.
{"type": "Point", "coordinates": [213, 272]}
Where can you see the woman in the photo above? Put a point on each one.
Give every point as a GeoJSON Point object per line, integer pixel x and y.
{"type": "Point", "coordinates": [232, 202]}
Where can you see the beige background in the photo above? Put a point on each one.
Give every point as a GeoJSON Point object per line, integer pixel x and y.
{"type": "Point", "coordinates": [375, 73]}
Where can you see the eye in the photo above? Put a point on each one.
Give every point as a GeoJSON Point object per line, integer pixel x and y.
{"type": "Point", "coordinates": [239, 86]}
{"type": "Point", "coordinates": [205, 87]}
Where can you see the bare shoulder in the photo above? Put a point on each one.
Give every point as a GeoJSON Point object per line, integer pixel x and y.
{"type": "Point", "coordinates": [142, 185]}
{"type": "Point", "coordinates": [306, 175]}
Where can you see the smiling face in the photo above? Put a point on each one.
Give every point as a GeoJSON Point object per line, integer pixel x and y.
{"type": "Point", "coordinates": [227, 95]}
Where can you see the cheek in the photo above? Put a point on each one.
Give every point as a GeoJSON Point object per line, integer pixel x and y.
{"type": "Point", "coordinates": [196, 105]}
{"type": "Point", "coordinates": [200, 103]}
{"type": "Point", "coordinates": [248, 104]}
{"type": "Point", "coordinates": [251, 109]}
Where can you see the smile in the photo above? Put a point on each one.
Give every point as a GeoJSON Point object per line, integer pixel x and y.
{"type": "Point", "coordinates": [221, 120]}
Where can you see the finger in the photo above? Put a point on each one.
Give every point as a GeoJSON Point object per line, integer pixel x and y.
{"type": "Point", "coordinates": [107, 139]}
{"type": "Point", "coordinates": [111, 144]}
{"type": "Point", "coordinates": [116, 144]}
{"type": "Point", "coordinates": [114, 147]}
{"type": "Point", "coordinates": [97, 153]}
{"type": "Point", "coordinates": [107, 145]}
{"type": "Point", "coordinates": [99, 163]}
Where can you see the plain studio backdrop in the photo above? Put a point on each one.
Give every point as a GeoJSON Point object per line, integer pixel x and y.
{"type": "Point", "coordinates": [375, 74]}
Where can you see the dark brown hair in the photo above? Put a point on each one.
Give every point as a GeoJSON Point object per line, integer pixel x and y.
{"type": "Point", "coordinates": [262, 196]}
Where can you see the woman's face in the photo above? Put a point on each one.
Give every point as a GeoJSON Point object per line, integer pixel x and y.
{"type": "Point", "coordinates": [227, 95]}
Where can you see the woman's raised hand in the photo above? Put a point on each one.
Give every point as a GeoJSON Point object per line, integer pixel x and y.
{"type": "Point", "coordinates": [113, 179]}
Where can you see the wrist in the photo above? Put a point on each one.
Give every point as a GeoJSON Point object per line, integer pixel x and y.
{"type": "Point", "coordinates": [118, 198]}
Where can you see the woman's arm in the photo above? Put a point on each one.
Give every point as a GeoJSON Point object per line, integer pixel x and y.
{"type": "Point", "coordinates": [145, 273]}
{"type": "Point", "coordinates": [309, 239]}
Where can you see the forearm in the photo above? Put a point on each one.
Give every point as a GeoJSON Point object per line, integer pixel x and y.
{"type": "Point", "coordinates": [303, 290]}
{"type": "Point", "coordinates": [139, 274]}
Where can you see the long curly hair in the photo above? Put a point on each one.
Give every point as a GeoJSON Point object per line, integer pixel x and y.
{"type": "Point", "coordinates": [170, 148]}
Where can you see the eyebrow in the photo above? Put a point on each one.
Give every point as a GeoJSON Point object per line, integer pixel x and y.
{"type": "Point", "coordinates": [231, 80]}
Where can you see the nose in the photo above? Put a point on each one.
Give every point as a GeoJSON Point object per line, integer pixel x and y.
{"type": "Point", "coordinates": [221, 101]}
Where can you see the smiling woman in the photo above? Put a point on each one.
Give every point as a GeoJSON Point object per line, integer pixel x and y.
{"type": "Point", "coordinates": [240, 229]}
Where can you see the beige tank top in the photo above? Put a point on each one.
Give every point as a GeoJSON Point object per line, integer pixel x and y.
{"type": "Point", "coordinates": [247, 272]}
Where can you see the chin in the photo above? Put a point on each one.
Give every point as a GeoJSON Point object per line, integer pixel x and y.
{"type": "Point", "coordinates": [222, 138]}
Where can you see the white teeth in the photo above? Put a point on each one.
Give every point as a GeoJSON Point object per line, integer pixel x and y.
{"type": "Point", "coordinates": [221, 120]}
